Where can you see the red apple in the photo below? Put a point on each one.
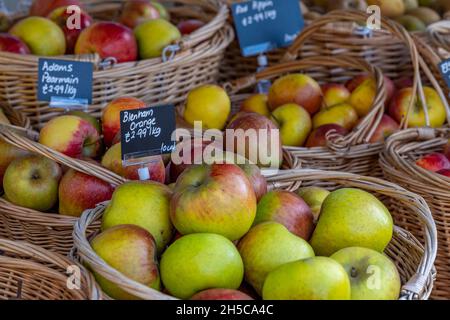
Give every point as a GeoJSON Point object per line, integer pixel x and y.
{"type": "Point", "coordinates": [10, 43]}
{"type": "Point", "coordinates": [334, 93]}
{"type": "Point", "coordinates": [79, 192]}
{"type": "Point", "coordinates": [111, 116]}
{"type": "Point", "coordinates": [188, 26]}
{"type": "Point", "coordinates": [434, 162]}
{"type": "Point", "coordinates": [445, 172]}
{"type": "Point", "coordinates": [108, 40]}
{"type": "Point", "coordinates": [135, 12]}
{"type": "Point", "coordinates": [404, 82]}
{"type": "Point", "coordinates": [60, 17]}
{"type": "Point", "coordinates": [318, 138]}
{"type": "Point", "coordinates": [44, 7]}
{"type": "Point", "coordinates": [221, 294]}
{"type": "Point", "coordinates": [386, 127]}
{"type": "Point", "coordinates": [256, 178]}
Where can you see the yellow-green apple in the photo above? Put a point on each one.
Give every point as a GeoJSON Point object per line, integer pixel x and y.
{"type": "Point", "coordinates": [145, 204]}
{"type": "Point", "coordinates": [209, 104]}
{"type": "Point", "coordinates": [300, 89]}
{"type": "Point", "coordinates": [32, 182]}
{"type": "Point", "coordinates": [400, 104]}
{"type": "Point", "coordinates": [352, 218]}
{"type": "Point", "coordinates": [434, 162]}
{"type": "Point", "coordinates": [314, 197]}
{"type": "Point", "coordinates": [202, 261]}
{"type": "Point", "coordinates": [109, 40]}
{"type": "Point", "coordinates": [215, 198]}
{"type": "Point", "coordinates": [44, 7]}
{"type": "Point", "coordinates": [10, 43]}
{"type": "Point", "coordinates": [287, 208]}
{"type": "Point", "coordinates": [318, 137]}
{"type": "Point", "coordinates": [294, 123]}
{"type": "Point", "coordinates": [112, 160]}
{"type": "Point", "coordinates": [131, 250]}
{"type": "Point", "coordinates": [357, 81]}
{"type": "Point", "coordinates": [153, 36]}
{"type": "Point", "coordinates": [72, 136]}
{"type": "Point", "coordinates": [444, 172]}
{"type": "Point", "coordinates": [187, 27]}
{"type": "Point", "coordinates": [61, 17]}
{"type": "Point", "coordinates": [256, 103]}
{"type": "Point", "coordinates": [334, 93]}
{"type": "Point", "coordinates": [316, 278]}
{"type": "Point", "coordinates": [134, 12]}
{"type": "Point", "coordinates": [389, 8]}
{"type": "Point", "coordinates": [111, 116]}
{"type": "Point", "coordinates": [42, 36]}
{"type": "Point", "coordinates": [8, 153]}
{"type": "Point", "coordinates": [256, 138]}
{"type": "Point", "coordinates": [221, 294]}
{"type": "Point", "coordinates": [373, 276]}
{"type": "Point", "coordinates": [256, 178]}
{"type": "Point", "coordinates": [342, 114]}
{"type": "Point", "coordinates": [267, 246]}
{"type": "Point", "coordinates": [78, 192]}
{"type": "Point", "coordinates": [89, 118]}
{"type": "Point", "coordinates": [363, 96]}
{"type": "Point", "coordinates": [386, 127]}
{"type": "Point", "coordinates": [447, 149]}
{"type": "Point", "coordinates": [163, 12]}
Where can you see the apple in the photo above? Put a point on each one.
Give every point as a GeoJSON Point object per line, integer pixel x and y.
{"type": "Point", "coordinates": [60, 16]}
{"type": "Point", "coordinates": [316, 278]}
{"type": "Point", "coordinates": [79, 192]}
{"type": "Point", "coordinates": [163, 12]}
{"type": "Point", "coordinates": [32, 182]}
{"type": "Point", "coordinates": [111, 116]}
{"type": "Point", "coordinates": [256, 178]}
{"type": "Point", "coordinates": [209, 104]}
{"type": "Point", "coordinates": [314, 197]}
{"type": "Point", "coordinates": [362, 98]}
{"type": "Point", "coordinates": [334, 93]}
{"type": "Point", "coordinates": [295, 124]}
{"type": "Point", "coordinates": [400, 105]}
{"type": "Point", "coordinates": [372, 275]}
{"type": "Point", "coordinates": [221, 294]}
{"type": "Point", "coordinates": [142, 203]}
{"type": "Point", "coordinates": [72, 136]}
{"type": "Point", "coordinates": [8, 154]}
{"type": "Point", "coordinates": [135, 12]}
{"type": "Point", "coordinates": [300, 89]}
{"type": "Point", "coordinates": [108, 40]}
{"type": "Point", "coordinates": [200, 261]}
{"type": "Point", "coordinates": [434, 162]}
{"type": "Point", "coordinates": [352, 218]}
{"type": "Point", "coordinates": [256, 138]}
{"type": "Point", "coordinates": [405, 82]}
{"type": "Point", "coordinates": [215, 198]}
{"type": "Point", "coordinates": [287, 208]}
{"type": "Point", "coordinates": [256, 103]}
{"type": "Point", "coordinates": [10, 43]}
{"type": "Point", "coordinates": [42, 36]}
{"type": "Point", "coordinates": [318, 137]}
{"type": "Point", "coordinates": [155, 35]}
{"type": "Point", "coordinates": [444, 172]}
{"type": "Point", "coordinates": [267, 246]}
{"type": "Point", "coordinates": [341, 114]}
{"type": "Point", "coordinates": [112, 160]}
{"type": "Point", "coordinates": [44, 7]}
{"type": "Point", "coordinates": [131, 250]}
{"type": "Point", "coordinates": [387, 127]}
{"type": "Point", "coordinates": [187, 27]}
{"type": "Point", "coordinates": [357, 81]}
{"type": "Point", "coordinates": [89, 118]}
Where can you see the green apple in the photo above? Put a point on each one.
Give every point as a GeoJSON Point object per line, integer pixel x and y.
{"type": "Point", "coordinates": [142, 203]}
{"type": "Point", "coordinates": [201, 261]}
{"type": "Point", "coordinates": [317, 278]}
{"type": "Point", "coordinates": [267, 246]}
{"type": "Point", "coordinates": [32, 182]}
{"type": "Point", "coordinates": [131, 250]}
{"type": "Point", "coordinates": [163, 12]}
{"type": "Point", "coordinates": [373, 276]}
{"type": "Point", "coordinates": [295, 124]}
{"type": "Point", "coordinates": [352, 218]}
{"type": "Point", "coordinates": [314, 197]}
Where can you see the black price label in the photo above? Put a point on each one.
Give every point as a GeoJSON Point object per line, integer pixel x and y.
{"type": "Point", "coordinates": [146, 132]}
{"type": "Point", "coordinates": [265, 25]}
{"type": "Point", "coordinates": [445, 70]}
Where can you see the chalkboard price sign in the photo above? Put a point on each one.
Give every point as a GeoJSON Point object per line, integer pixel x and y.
{"type": "Point", "coordinates": [146, 132]}
{"type": "Point", "coordinates": [445, 70]}
{"type": "Point", "coordinates": [65, 83]}
{"type": "Point", "coordinates": [264, 25]}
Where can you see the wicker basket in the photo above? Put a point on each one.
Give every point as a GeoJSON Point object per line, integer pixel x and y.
{"type": "Point", "coordinates": [28, 272]}
{"type": "Point", "coordinates": [154, 80]}
{"type": "Point", "coordinates": [397, 162]}
{"type": "Point", "coordinates": [414, 260]}
{"type": "Point", "coordinates": [47, 230]}
{"type": "Point", "coordinates": [17, 119]}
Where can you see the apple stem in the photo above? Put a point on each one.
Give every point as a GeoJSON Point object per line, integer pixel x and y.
{"type": "Point", "coordinates": [353, 272]}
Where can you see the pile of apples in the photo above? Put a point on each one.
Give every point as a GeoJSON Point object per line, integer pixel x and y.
{"type": "Point", "coordinates": [437, 162]}
{"type": "Point", "coordinates": [142, 31]}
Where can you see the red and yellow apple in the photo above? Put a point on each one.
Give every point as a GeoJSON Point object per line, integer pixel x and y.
{"type": "Point", "coordinates": [363, 96]}
{"type": "Point", "coordinates": [342, 114]}
{"type": "Point", "coordinates": [386, 127]}
{"type": "Point", "coordinates": [10, 43]}
{"type": "Point", "coordinates": [186, 27]}
{"type": "Point", "coordinates": [294, 123]}
{"type": "Point", "coordinates": [334, 93]}
{"type": "Point", "coordinates": [221, 294]}
{"type": "Point", "coordinates": [318, 138]}
{"type": "Point", "coordinates": [44, 7]}
{"type": "Point", "coordinates": [354, 83]}
{"type": "Point", "coordinates": [256, 103]}
{"type": "Point", "coordinates": [135, 12]}
{"type": "Point", "coordinates": [258, 181]}
{"type": "Point", "coordinates": [8, 153]}
{"type": "Point", "coordinates": [434, 162]}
